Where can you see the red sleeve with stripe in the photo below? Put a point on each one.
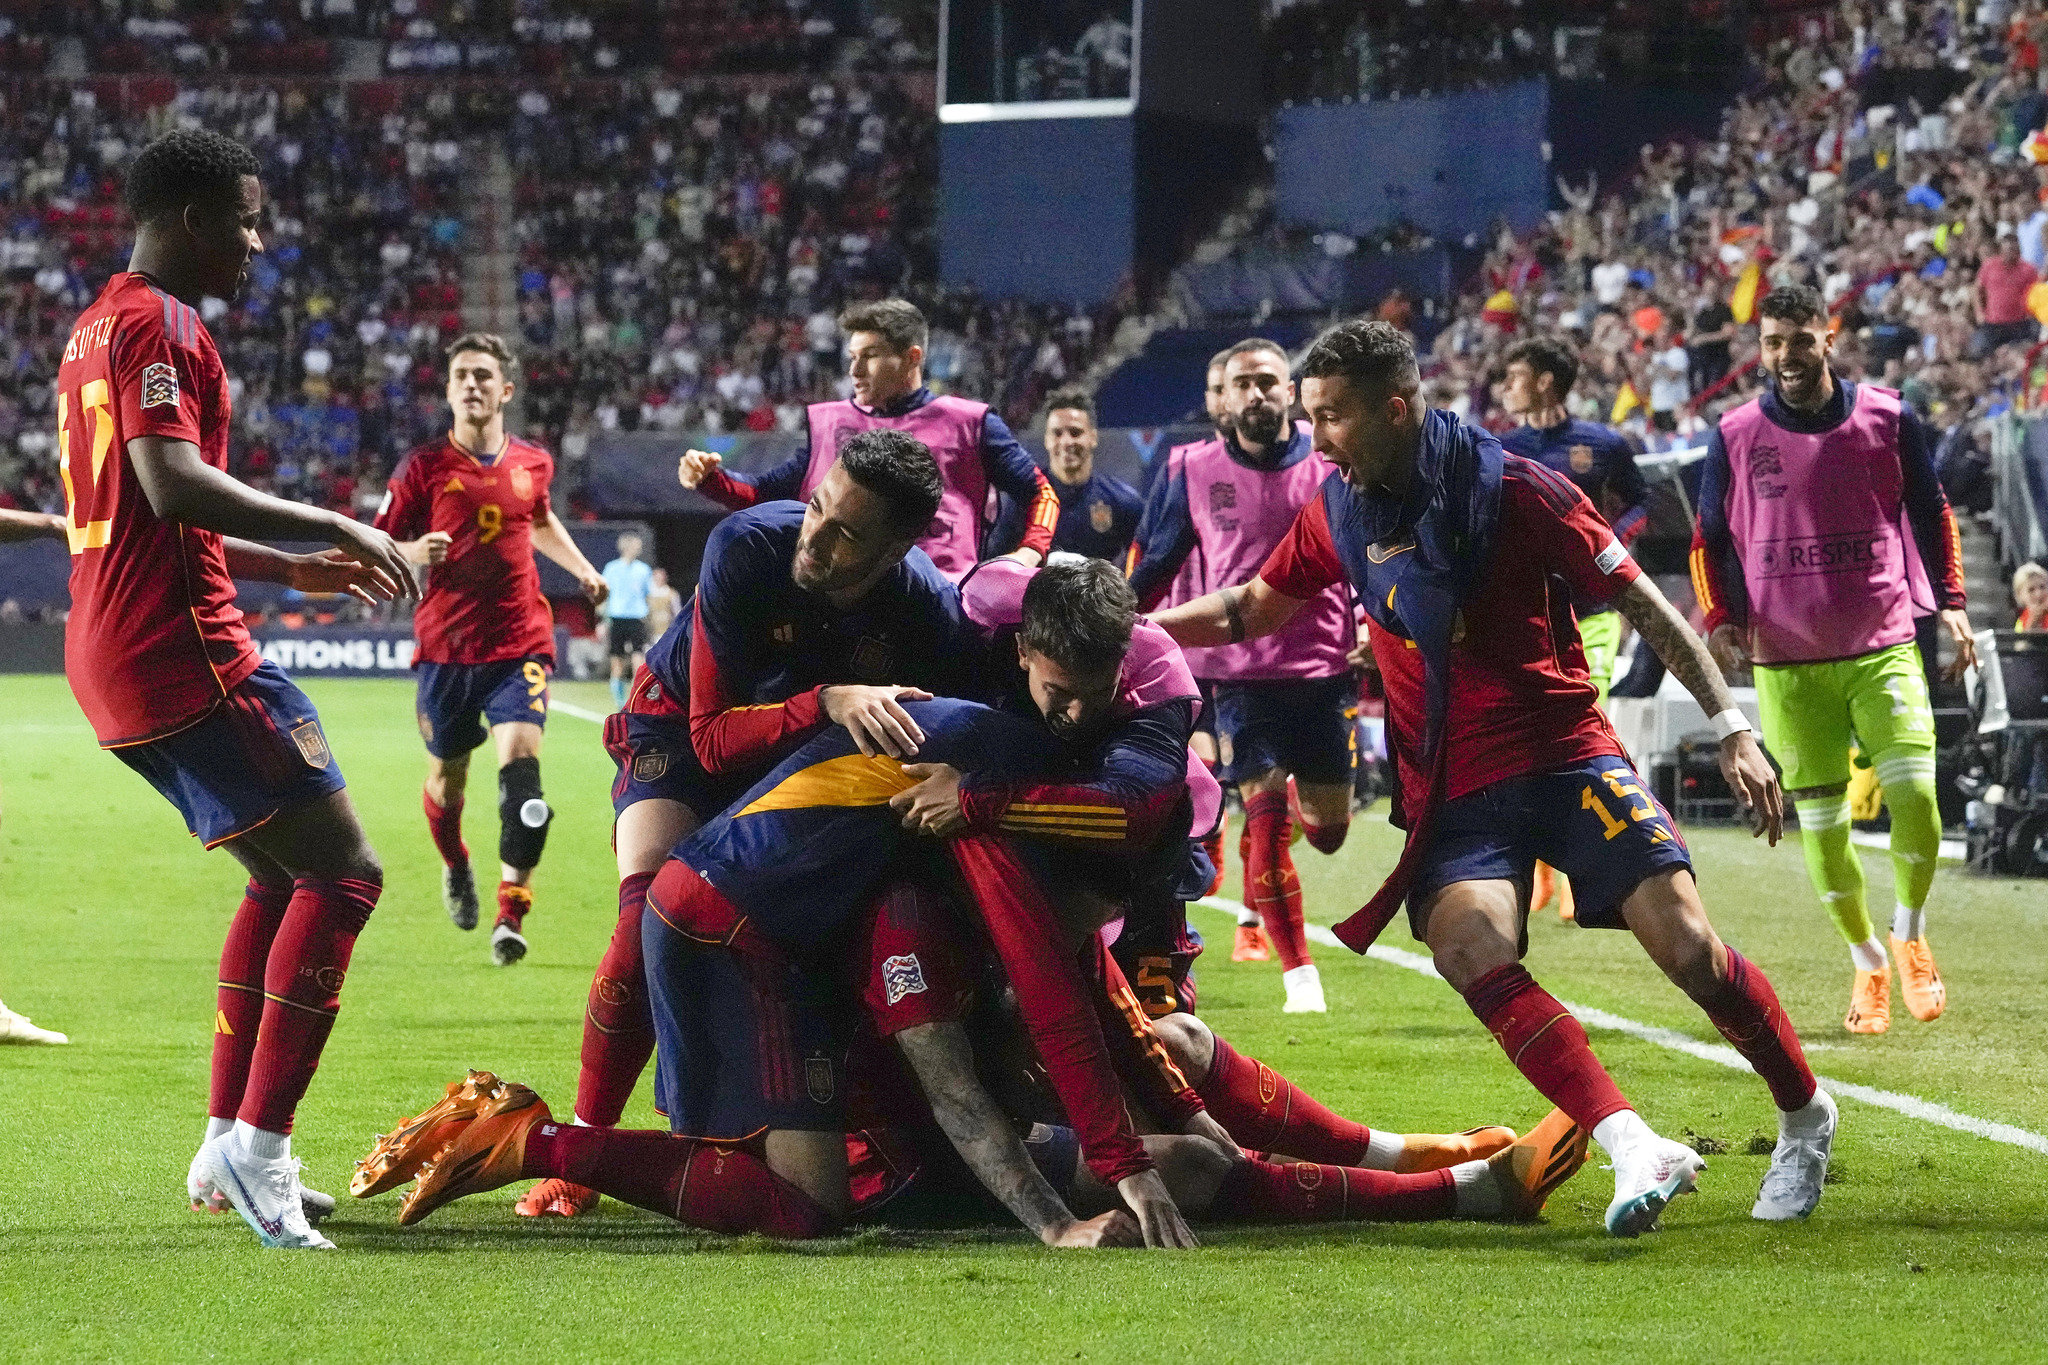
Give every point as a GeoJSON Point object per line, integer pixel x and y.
{"type": "Point", "coordinates": [1140, 1058]}
{"type": "Point", "coordinates": [726, 733]}
{"type": "Point", "coordinates": [1043, 520]}
{"type": "Point", "coordinates": [728, 492]}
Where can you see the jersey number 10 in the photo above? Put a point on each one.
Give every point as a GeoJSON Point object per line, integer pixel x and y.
{"type": "Point", "coordinates": [82, 487]}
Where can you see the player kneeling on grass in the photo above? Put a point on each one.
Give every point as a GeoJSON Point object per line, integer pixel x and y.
{"type": "Point", "coordinates": [741, 935]}
{"type": "Point", "coordinates": [1503, 756]}
{"type": "Point", "coordinates": [164, 668]}
{"type": "Point", "coordinates": [930, 987]}
{"type": "Point", "coordinates": [473, 507]}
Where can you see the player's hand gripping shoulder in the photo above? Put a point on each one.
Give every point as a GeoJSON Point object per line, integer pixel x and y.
{"type": "Point", "coordinates": [1145, 1194]}
{"type": "Point", "coordinates": [334, 571]}
{"type": "Point", "coordinates": [872, 716]}
{"type": "Point", "coordinates": [695, 465]}
{"type": "Point", "coordinates": [933, 805]}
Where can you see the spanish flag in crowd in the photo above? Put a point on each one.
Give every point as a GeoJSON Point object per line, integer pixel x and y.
{"type": "Point", "coordinates": [1742, 302]}
{"type": "Point", "coordinates": [1625, 402]}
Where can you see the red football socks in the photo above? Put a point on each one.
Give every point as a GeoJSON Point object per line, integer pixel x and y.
{"type": "Point", "coordinates": [445, 822]}
{"type": "Point", "coordinates": [302, 979]}
{"type": "Point", "coordinates": [238, 999]}
{"type": "Point", "coordinates": [1213, 846]}
{"type": "Point", "coordinates": [1264, 1111]}
{"type": "Point", "coordinates": [1546, 1044]}
{"type": "Point", "coordinates": [1271, 887]}
{"type": "Point", "coordinates": [1747, 1012]}
{"type": "Point", "coordinates": [618, 1025]}
{"type": "Point", "coordinates": [515, 903]}
{"type": "Point", "coordinates": [717, 1188]}
{"type": "Point", "coordinates": [1305, 1192]}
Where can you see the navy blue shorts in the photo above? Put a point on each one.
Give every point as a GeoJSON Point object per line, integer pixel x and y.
{"type": "Point", "coordinates": [657, 762]}
{"type": "Point", "coordinates": [1596, 822]}
{"type": "Point", "coordinates": [744, 1042]}
{"type": "Point", "coordinates": [259, 752]}
{"type": "Point", "coordinates": [1303, 726]}
{"type": "Point", "coordinates": [452, 696]}
{"type": "Point", "coordinates": [1205, 723]}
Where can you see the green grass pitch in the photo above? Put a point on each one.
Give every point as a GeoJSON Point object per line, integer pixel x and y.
{"type": "Point", "coordinates": [1931, 1245]}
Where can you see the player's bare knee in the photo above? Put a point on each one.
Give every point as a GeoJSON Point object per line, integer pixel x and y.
{"type": "Point", "coordinates": [1193, 1168]}
{"type": "Point", "coordinates": [1189, 1042]}
{"type": "Point", "coordinates": [1326, 838]}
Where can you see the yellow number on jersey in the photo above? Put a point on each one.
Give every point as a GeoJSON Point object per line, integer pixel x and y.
{"type": "Point", "coordinates": [96, 400]}
{"type": "Point", "coordinates": [490, 522]}
{"type": "Point", "coordinates": [536, 685]}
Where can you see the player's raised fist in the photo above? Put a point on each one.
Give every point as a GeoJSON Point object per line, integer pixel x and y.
{"type": "Point", "coordinates": [1113, 1229]}
{"type": "Point", "coordinates": [431, 548]}
{"type": "Point", "coordinates": [595, 588]}
{"type": "Point", "coordinates": [694, 465]}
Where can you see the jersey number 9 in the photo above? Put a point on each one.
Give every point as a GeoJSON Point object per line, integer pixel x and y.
{"type": "Point", "coordinates": [490, 522]}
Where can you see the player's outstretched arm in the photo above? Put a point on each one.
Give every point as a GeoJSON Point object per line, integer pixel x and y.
{"type": "Point", "coordinates": [1229, 617]}
{"type": "Point", "coordinates": [16, 526]}
{"type": "Point", "coordinates": [552, 539]}
{"type": "Point", "coordinates": [943, 1059]}
{"type": "Point", "coordinates": [181, 486]}
{"type": "Point", "coordinates": [328, 571]}
{"type": "Point", "coordinates": [1748, 772]}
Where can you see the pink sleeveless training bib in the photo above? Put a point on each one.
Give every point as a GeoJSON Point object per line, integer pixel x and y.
{"type": "Point", "coordinates": [1241, 514]}
{"type": "Point", "coordinates": [952, 428]}
{"type": "Point", "coordinates": [1187, 584]}
{"type": "Point", "coordinates": [1819, 523]}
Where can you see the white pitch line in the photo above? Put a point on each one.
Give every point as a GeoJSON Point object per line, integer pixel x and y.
{"type": "Point", "coordinates": [580, 713]}
{"type": "Point", "coordinates": [1912, 1106]}
{"type": "Point", "coordinates": [1952, 850]}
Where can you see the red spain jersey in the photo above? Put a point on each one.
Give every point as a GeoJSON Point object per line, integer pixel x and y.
{"type": "Point", "coordinates": [155, 639]}
{"type": "Point", "coordinates": [1521, 699]}
{"type": "Point", "coordinates": [483, 603]}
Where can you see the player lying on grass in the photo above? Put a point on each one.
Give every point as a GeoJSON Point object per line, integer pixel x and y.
{"type": "Point", "coordinates": [939, 1150]}
{"type": "Point", "coordinates": [157, 653]}
{"type": "Point", "coordinates": [743, 938]}
{"type": "Point", "coordinates": [1456, 550]}
{"type": "Point", "coordinates": [805, 615]}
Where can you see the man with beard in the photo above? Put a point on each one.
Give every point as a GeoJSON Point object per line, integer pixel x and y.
{"type": "Point", "coordinates": [1809, 496]}
{"type": "Point", "coordinates": [1284, 706]}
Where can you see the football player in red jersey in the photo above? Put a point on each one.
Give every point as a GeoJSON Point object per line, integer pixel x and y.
{"type": "Point", "coordinates": [473, 507]}
{"type": "Point", "coordinates": [163, 666]}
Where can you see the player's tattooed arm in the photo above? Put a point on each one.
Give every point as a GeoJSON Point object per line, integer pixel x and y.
{"type": "Point", "coordinates": [1229, 617]}
{"type": "Point", "coordinates": [943, 1059]}
{"type": "Point", "coordinates": [1749, 773]}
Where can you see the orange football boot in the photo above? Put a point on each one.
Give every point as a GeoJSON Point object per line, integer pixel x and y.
{"type": "Point", "coordinates": [396, 1156]}
{"type": "Point", "coordinates": [1870, 1003]}
{"type": "Point", "coordinates": [1567, 908]}
{"type": "Point", "coordinates": [1543, 887]}
{"type": "Point", "coordinates": [1531, 1168]}
{"type": "Point", "coordinates": [1251, 945]}
{"type": "Point", "coordinates": [1919, 979]}
{"type": "Point", "coordinates": [1436, 1151]}
{"type": "Point", "coordinates": [558, 1198]}
{"type": "Point", "coordinates": [489, 1151]}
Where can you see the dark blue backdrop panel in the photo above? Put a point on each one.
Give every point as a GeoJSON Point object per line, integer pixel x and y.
{"type": "Point", "coordinates": [1037, 208]}
{"type": "Point", "coordinates": [1451, 165]}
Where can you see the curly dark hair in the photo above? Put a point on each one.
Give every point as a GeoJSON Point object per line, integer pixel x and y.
{"type": "Point", "coordinates": [1547, 355]}
{"type": "Point", "coordinates": [1797, 304]}
{"type": "Point", "coordinates": [1369, 353]}
{"type": "Point", "coordinates": [899, 469]}
{"type": "Point", "coordinates": [189, 166]}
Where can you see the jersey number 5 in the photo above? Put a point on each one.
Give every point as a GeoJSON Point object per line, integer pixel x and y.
{"type": "Point", "coordinates": [88, 504]}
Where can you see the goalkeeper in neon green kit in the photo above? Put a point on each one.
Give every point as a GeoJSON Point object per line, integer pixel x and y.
{"type": "Point", "coordinates": [1823, 532]}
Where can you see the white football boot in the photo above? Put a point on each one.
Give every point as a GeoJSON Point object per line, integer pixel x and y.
{"type": "Point", "coordinates": [1304, 990]}
{"type": "Point", "coordinates": [1799, 1166]}
{"type": "Point", "coordinates": [16, 1028]}
{"type": "Point", "coordinates": [1648, 1175]}
{"type": "Point", "coordinates": [266, 1193]}
{"type": "Point", "coordinates": [205, 1197]}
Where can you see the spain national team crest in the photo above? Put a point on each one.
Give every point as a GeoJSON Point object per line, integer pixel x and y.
{"type": "Point", "coordinates": [873, 660]}
{"type": "Point", "coordinates": [1101, 516]}
{"type": "Point", "coordinates": [902, 976]}
{"type": "Point", "coordinates": [818, 1079]}
{"type": "Point", "coordinates": [312, 744]}
{"type": "Point", "coordinates": [1581, 458]}
{"type": "Point", "coordinates": [522, 482]}
{"type": "Point", "coordinates": [160, 386]}
{"type": "Point", "coordinates": [651, 767]}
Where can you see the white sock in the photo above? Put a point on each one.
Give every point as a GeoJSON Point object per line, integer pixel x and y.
{"type": "Point", "coordinates": [261, 1143]}
{"type": "Point", "coordinates": [1811, 1118]}
{"type": "Point", "coordinates": [1620, 1131]}
{"type": "Point", "coordinates": [1247, 918]}
{"type": "Point", "coordinates": [1383, 1150]}
{"type": "Point", "coordinates": [216, 1126]}
{"type": "Point", "coordinates": [1869, 955]}
{"type": "Point", "coordinates": [1908, 923]}
{"type": "Point", "coordinates": [1478, 1195]}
